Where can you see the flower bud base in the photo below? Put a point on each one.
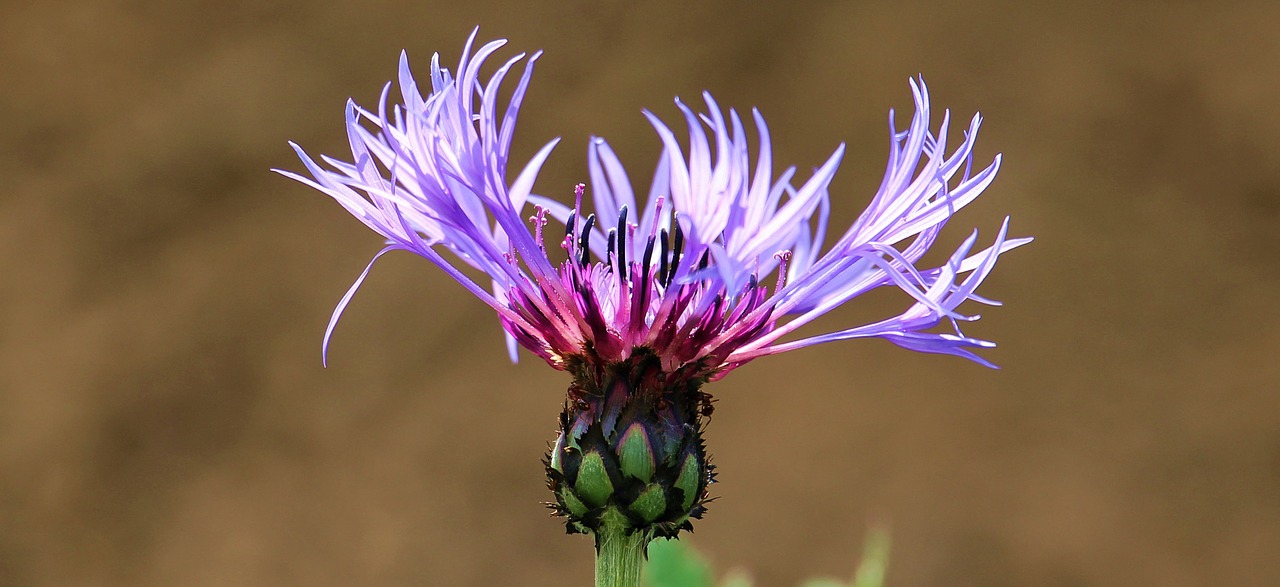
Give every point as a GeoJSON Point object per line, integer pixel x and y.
{"type": "Point", "coordinates": [630, 451]}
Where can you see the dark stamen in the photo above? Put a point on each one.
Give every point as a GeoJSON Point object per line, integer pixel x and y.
{"type": "Point", "coordinates": [622, 218]}
{"type": "Point", "coordinates": [584, 242]}
{"type": "Point", "coordinates": [644, 264]}
{"type": "Point", "coordinates": [662, 258]}
{"type": "Point", "coordinates": [622, 243]}
{"type": "Point", "coordinates": [677, 253]}
{"type": "Point", "coordinates": [613, 241]}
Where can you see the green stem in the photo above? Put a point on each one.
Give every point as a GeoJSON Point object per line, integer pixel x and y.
{"type": "Point", "coordinates": [619, 556]}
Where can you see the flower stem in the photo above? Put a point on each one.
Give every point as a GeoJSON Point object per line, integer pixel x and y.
{"type": "Point", "coordinates": [619, 555]}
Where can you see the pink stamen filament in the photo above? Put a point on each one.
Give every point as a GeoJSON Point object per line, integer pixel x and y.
{"type": "Point", "coordinates": [782, 257]}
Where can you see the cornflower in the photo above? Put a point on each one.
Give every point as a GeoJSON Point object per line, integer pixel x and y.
{"type": "Point", "coordinates": [718, 267]}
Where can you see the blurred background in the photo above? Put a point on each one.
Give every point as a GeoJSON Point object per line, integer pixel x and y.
{"type": "Point", "coordinates": [165, 420]}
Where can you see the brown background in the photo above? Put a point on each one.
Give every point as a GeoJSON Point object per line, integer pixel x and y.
{"type": "Point", "coordinates": [164, 419]}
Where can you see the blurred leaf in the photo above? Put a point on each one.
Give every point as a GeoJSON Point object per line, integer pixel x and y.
{"type": "Point", "coordinates": [875, 559]}
{"type": "Point", "coordinates": [737, 578]}
{"type": "Point", "coordinates": [672, 564]}
{"type": "Point", "coordinates": [825, 582]}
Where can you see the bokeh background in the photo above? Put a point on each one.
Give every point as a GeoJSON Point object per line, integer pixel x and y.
{"type": "Point", "coordinates": [165, 420]}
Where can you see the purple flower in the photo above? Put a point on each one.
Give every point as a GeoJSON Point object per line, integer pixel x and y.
{"type": "Point", "coordinates": [721, 263]}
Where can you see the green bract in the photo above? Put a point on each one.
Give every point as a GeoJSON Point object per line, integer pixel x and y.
{"type": "Point", "coordinates": [630, 441]}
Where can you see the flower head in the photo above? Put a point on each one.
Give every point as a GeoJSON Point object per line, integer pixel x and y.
{"type": "Point", "coordinates": [715, 267]}
{"type": "Point", "coordinates": [718, 266]}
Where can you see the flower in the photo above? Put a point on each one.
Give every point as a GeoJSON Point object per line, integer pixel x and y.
{"type": "Point", "coordinates": [719, 266]}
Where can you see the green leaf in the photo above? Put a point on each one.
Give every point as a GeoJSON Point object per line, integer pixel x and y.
{"type": "Point", "coordinates": [737, 578]}
{"type": "Point", "coordinates": [672, 564]}
{"type": "Point", "coordinates": [875, 559]}
{"type": "Point", "coordinates": [824, 582]}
